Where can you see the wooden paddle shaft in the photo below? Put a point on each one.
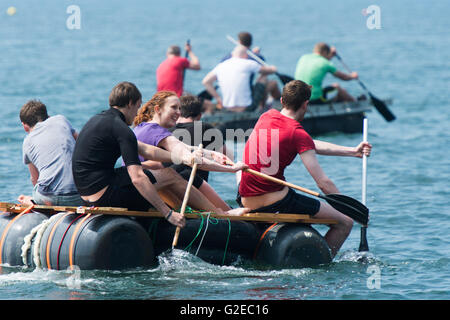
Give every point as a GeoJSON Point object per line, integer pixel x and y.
{"type": "Point", "coordinates": [282, 182]}
{"type": "Point", "coordinates": [186, 199]}
{"type": "Point", "coordinates": [279, 181]}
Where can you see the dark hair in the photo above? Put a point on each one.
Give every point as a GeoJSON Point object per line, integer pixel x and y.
{"type": "Point", "coordinates": [245, 38]}
{"type": "Point", "coordinates": [191, 106]}
{"type": "Point", "coordinates": [295, 93]}
{"type": "Point", "coordinates": [175, 50]}
{"type": "Point", "coordinates": [123, 93]}
{"type": "Point", "coordinates": [33, 112]}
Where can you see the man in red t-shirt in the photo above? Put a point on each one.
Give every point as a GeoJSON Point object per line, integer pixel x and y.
{"type": "Point", "coordinates": [274, 143]}
{"type": "Point", "coordinates": [169, 74]}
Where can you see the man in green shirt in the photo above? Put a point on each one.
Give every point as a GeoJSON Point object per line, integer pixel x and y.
{"type": "Point", "coordinates": [312, 69]}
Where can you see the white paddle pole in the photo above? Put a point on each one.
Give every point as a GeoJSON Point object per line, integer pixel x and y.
{"type": "Point", "coordinates": [364, 165]}
{"type": "Point", "coordinates": [363, 245]}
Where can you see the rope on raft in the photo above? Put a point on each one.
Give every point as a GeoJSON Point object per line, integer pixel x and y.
{"type": "Point", "coordinates": [211, 220]}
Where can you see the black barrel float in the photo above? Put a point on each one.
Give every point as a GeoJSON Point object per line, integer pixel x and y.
{"type": "Point", "coordinates": [69, 239]}
{"type": "Point", "coordinates": [107, 242]}
{"type": "Point", "coordinates": [292, 246]}
{"type": "Point", "coordinates": [95, 242]}
{"type": "Point", "coordinates": [214, 241]}
{"type": "Point", "coordinates": [222, 242]}
{"type": "Point", "coordinates": [14, 227]}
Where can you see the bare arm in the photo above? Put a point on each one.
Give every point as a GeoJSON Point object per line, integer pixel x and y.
{"type": "Point", "coordinates": [267, 69]}
{"type": "Point", "coordinates": [175, 146]}
{"type": "Point", "coordinates": [34, 173]}
{"type": "Point", "coordinates": [220, 156]}
{"type": "Point", "coordinates": [209, 165]}
{"type": "Point", "coordinates": [315, 170]}
{"type": "Point", "coordinates": [330, 149]}
{"type": "Point", "coordinates": [150, 152]}
{"type": "Point", "coordinates": [152, 165]}
{"type": "Point", "coordinates": [149, 192]}
{"type": "Point", "coordinates": [194, 63]}
{"type": "Point", "coordinates": [227, 152]}
{"type": "Point", "coordinates": [345, 76]}
{"type": "Point", "coordinates": [208, 82]}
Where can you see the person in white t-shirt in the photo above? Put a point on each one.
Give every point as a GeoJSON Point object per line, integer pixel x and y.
{"type": "Point", "coordinates": [233, 76]}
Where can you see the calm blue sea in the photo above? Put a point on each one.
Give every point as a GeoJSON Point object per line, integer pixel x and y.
{"type": "Point", "coordinates": [408, 59]}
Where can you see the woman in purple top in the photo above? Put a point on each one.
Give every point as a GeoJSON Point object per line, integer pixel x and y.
{"type": "Point", "coordinates": [151, 126]}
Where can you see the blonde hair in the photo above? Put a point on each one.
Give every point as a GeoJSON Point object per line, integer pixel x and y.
{"type": "Point", "coordinates": [147, 111]}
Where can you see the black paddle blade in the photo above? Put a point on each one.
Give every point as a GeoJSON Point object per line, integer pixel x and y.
{"type": "Point", "coordinates": [284, 78]}
{"type": "Point", "coordinates": [363, 245]}
{"type": "Point", "coordinates": [382, 108]}
{"type": "Point", "coordinates": [348, 206]}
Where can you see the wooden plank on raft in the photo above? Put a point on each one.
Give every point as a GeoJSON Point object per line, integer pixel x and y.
{"type": "Point", "coordinates": [253, 217]}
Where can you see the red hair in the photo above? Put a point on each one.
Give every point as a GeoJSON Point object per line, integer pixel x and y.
{"type": "Point", "coordinates": [147, 111]}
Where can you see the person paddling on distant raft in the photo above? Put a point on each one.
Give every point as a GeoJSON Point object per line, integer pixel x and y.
{"type": "Point", "coordinates": [152, 125]}
{"type": "Point", "coordinates": [245, 38]}
{"type": "Point", "coordinates": [312, 69]}
{"type": "Point", "coordinates": [47, 150]}
{"type": "Point", "coordinates": [169, 74]}
{"type": "Point", "coordinates": [233, 76]}
{"type": "Point", "coordinates": [282, 137]}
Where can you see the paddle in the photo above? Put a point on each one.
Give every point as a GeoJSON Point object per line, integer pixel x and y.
{"type": "Point", "coordinates": [363, 245]}
{"type": "Point", "coordinates": [283, 78]}
{"type": "Point", "coordinates": [344, 204]}
{"type": "Point", "coordinates": [378, 104]}
{"type": "Point", "coordinates": [186, 198]}
{"type": "Point", "coordinates": [186, 54]}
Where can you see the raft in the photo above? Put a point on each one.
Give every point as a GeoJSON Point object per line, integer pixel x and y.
{"type": "Point", "coordinates": [345, 117]}
{"type": "Point", "coordinates": [115, 239]}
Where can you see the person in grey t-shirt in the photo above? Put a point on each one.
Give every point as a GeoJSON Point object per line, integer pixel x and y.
{"type": "Point", "coordinates": [47, 150]}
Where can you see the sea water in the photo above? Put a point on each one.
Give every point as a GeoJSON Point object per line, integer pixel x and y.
{"type": "Point", "coordinates": [71, 57]}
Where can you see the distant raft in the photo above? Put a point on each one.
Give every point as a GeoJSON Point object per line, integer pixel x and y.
{"type": "Point", "coordinates": [345, 117]}
{"type": "Point", "coordinates": [114, 242]}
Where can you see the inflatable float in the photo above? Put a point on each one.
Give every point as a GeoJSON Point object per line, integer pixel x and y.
{"type": "Point", "coordinates": [115, 239]}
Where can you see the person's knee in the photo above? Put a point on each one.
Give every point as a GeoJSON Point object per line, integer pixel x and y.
{"type": "Point", "coordinates": [346, 224]}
